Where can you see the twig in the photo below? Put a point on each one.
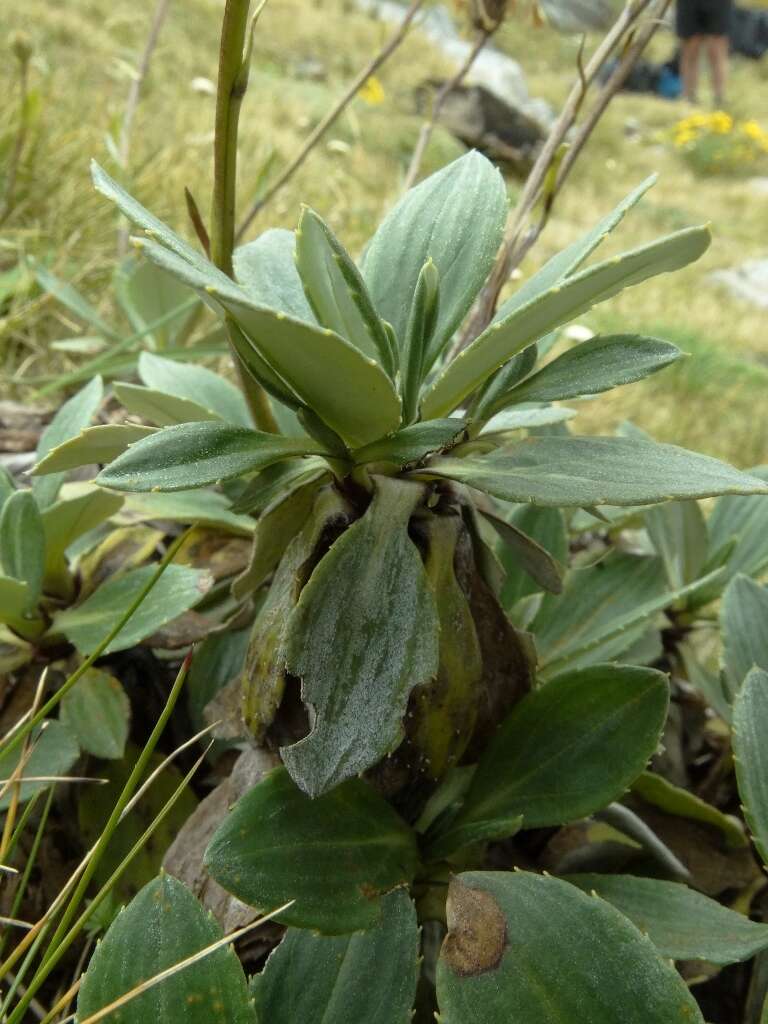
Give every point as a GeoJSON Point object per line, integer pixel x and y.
{"type": "Point", "coordinates": [314, 137]}
{"type": "Point", "coordinates": [131, 105]}
{"type": "Point", "coordinates": [447, 88]}
{"type": "Point", "coordinates": [515, 246]}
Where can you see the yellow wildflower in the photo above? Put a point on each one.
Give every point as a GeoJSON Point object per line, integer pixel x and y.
{"type": "Point", "coordinates": [372, 91]}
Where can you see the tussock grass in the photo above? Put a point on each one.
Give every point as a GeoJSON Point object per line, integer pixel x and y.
{"type": "Point", "coordinates": [86, 50]}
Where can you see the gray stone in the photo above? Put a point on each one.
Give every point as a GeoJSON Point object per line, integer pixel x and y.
{"type": "Point", "coordinates": [748, 282]}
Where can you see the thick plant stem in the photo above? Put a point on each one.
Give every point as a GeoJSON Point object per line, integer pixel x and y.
{"type": "Point", "coordinates": [234, 61]}
{"type": "Point", "coordinates": [233, 77]}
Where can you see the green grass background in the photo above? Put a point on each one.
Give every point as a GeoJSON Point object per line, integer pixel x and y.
{"type": "Point", "coordinates": [85, 52]}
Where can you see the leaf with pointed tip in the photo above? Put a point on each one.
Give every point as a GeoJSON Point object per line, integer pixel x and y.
{"type": "Point", "coordinates": [336, 291]}
{"type": "Point", "coordinates": [530, 949]}
{"type": "Point", "coordinates": [417, 358]}
{"type": "Point", "coordinates": [674, 800]}
{"type": "Point", "coordinates": [363, 635]}
{"type": "Point", "coordinates": [162, 926]}
{"type": "Point", "coordinates": [524, 551]}
{"type": "Point", "coordinates": [97, 711]}
{"type": "Point", "coordinates": [544, 526]}
{"type": "Point", "coordinates": [278, 481]}
{"type": "Point", "coordinates": [502, 424]}
{"type": "Point", "coordinates": [266, 271]}
{"type": "Point", "coordinates": [54, 751]}
{"type": "Point", "coordinates": [561, 303]}
{"type": "Point", "coordinates": [195, 384]}
{"type": "Point", "coordinates": [566, 262]}
{"type": "Point", "coordinates": [201, 507]}
{"type": "Point", "coordinates": [158, 408]}
{"type": "Point", "coordinates": [336, 856]}
{"type": "Point", "coordinates": [91, 445]}
{"type": "Point", "coordinates": [274, 531]}
{"type": "Point", "coordinates": [570, 748]}
{"type": "Point", "coordinates": [348, 390]}
{"type": "Point", "coordinates": [577, 471]}
{"type": "Point", "coordinates": [71, 418]}
{"type": "Point", "coordinates": [744, 623]}
{"type": "Point", "coordinates": [750, 723]}
{"type": "Point", "coordinates": [87, 624]}
{"type": "Point", "coordinates": [456, 217]}
{"type": "Point", "coordinates": [151, 225]}
{"type": "Point", "coordinates": [681, 923]}
{"type": "Point", "coordinates": [604, 362]}
{"type": "Point", "coordinates": [412, 444]}
{"type": "Point", "coordinates": [368, 976]}
{"type": "Point", "coordinates": [196, 454]}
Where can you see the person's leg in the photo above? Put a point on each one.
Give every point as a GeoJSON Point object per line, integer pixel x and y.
{"type": "Point", "coordinates": [717, 52]}
{"type": "Point", "coordinates": [689, 67]}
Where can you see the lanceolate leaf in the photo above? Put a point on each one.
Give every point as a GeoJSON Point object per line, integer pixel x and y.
{"type": "Point", "coordinates": [266, 271]}
{"type": "Point", "coordinates": [744, 620]}
{"type": "Point", "coordinates": [561, 303]}
{"type": "Point", "coordinates": [71, 418]}
{"type": "Point", "coordinates": [277, 482]}
{"type": "Point", "coordinates": [546, 527]}
{"type": "Point", "coordinates": [364, 633]}
{"type": "Point", "coordinates": [152, 226]}
{"type": "Point", "coordinates": [568, 260]}
{"type": "Point", "coordinates": [368, 976]}
{"type": "Point", "coordinates": [412, 444]}
{"type": "Point", "coordinates": [570, 747]}
{"type": "Point", "coordinates": [336, 291]}
{"type": "Point", "coordinates": [195, 454]}
{"type": "Point", "coordinates": [162, 926]}
{"type": "Point", "coordinates": [529, 555]}
{"type": "Point", "coordinates": [456, 217]}
{"type": "Point", "coordinates": [274, 531]}
{"type": "Point", "coordinates": [98, 711]}
{"type": "Point", "coordinates": [92, 445]}
{"type": "Point", "coordinates": [417, 358]}
{"type": "Point", "coordinates": [660, 792]}
{"type": "Point", "coordinates": [579, 471]}
{"type": "Point", "coordinates": [196, 384]}
{"type": "Point", "coordinates": [202, 507]}
{"type": "Point", "coordinates": [599, 364]}
{"type": "Point", "coordinates": [335, 856]}
{"type": "Point", "coordinates": [680, 922]}
{"type": "Point", "coordinates": [529, 949]}
{"type": "Point", "coordinates": [159, 408]}
{"type": "Point", "coordinates": [348, 390]}
{"type": "Point", "coordinates": [22, 543]}
{"type": "Point", "coordinates": [750, 724]}
{"type": "Point", "coordinates": [86, 625]}
{"type": "Point", "coordinates": [54, 751]}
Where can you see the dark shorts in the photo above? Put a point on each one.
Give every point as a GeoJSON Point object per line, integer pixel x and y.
{"type": "Point", "coordinates": [703, 18]}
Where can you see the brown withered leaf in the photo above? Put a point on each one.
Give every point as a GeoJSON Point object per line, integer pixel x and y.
{"type": "Point", "coordinates": [184, 858]}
